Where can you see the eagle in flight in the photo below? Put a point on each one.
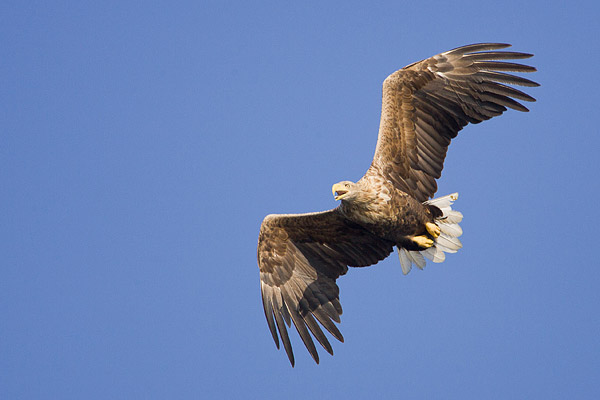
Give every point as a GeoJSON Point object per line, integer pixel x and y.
{"type": "Point", "coordinates": [425, 104]}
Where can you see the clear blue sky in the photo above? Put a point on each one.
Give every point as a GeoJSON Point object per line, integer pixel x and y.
{"type": "Point", "coordinates": [142, 143]}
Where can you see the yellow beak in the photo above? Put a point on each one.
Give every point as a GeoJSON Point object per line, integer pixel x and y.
{"type": "Point", "coordinates": [339, 191]}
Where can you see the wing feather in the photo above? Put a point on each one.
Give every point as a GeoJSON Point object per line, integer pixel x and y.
{"type": "Point", "coordinates": [497, 55]}
{"type": "Point", "coordinates": [279, 312]}
{"type": "Point", "coordinates": [471, 48]}
{"type": "Point", "coordinates": [300, 257]}
{"type": "Point", "coordinates": [268, 308]}
{"type": "Point", "coordinates": [427, 103]}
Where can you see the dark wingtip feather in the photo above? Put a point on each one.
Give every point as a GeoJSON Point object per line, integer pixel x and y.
{"type": "Point", "coordinates": [515, 105]}
{"type": "Point", "coordinates": [503, 66]}
{"type": "Point", "coordinates": [497, 55]}
{"type": "Point", "coordinates": [268, 309]}
{"type": "Point", "coordinates": [304, 335]}
{"type": "Point", "coordinates": [317, 332]}
{"type": "Point", "coordinates": [506, 78]}
{"type": "Point", "coordinates": [329, 325]}
{"type": "Point", "coordinates": [279, 311]}
{"type": "Point", "coordinates": [503, 90]}
{"type": "Point", "coordinates": [470, 48]}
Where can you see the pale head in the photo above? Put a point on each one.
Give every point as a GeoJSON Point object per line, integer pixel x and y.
{"type": "Point", "coordinates": [344, 190]}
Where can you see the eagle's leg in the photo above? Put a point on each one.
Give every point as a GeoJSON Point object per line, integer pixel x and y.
{"type": "Point", "coordinates": [422, 241]}
{"type": "Point", "coordinates": [433, 229]}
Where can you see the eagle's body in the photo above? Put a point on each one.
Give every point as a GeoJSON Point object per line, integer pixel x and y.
{"type": "Point", "coordinates": [424, 107]}
{"type": "Point", "coordinates": [376, 209]}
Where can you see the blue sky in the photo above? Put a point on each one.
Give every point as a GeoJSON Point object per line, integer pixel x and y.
{"type": "Point", "coordinates": [143, 143]}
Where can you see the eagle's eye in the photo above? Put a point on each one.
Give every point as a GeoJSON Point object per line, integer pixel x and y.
{"type": "Point", "coordinates": [347, 185]}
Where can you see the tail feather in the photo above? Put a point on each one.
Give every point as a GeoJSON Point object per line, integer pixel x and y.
{"type": "Point", "coordinates": [408, 258]}
{"type": "Point", "coordinates": [444, 201]}
{"type": "Point", "coordinates": [447, 242]}
{"type": "Point", "coordinates": [453, 217]}
{"type": "Point", "coordinates": [417, 258]}
{"type": "Point", "coordinates": [434, 254]}
{"type": "Point", "coordinates": [452, 230]}
{"type": "Point", "coordinates": [405, 260]}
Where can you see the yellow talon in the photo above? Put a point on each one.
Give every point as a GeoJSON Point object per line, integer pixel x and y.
{"type": "Point", "coordinates": [433, 229]}
{"type": "Point", "coordinates": [423, 241]}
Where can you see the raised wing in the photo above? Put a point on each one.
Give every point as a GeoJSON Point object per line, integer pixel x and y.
{"type": "Point", "coordinates": [300, 257]}
{"type": "Point", "coordinates": [426, 103]}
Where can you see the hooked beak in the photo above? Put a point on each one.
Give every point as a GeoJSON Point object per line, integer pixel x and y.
{"type": "Point", "coordinates": [339, 191]}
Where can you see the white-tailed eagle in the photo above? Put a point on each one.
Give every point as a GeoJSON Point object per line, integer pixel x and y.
{"type": "Point", "coordinates": [425, 104]}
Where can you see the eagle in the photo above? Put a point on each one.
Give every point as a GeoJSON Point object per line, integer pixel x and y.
{"type": "Point", "coordinates": [425, 105]}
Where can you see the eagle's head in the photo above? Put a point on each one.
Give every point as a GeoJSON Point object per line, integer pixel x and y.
{"type": "Point", "coordinates": [344, 190]}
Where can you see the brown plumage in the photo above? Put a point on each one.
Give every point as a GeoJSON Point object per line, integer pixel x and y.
{"type": "Point", "coordinates": [424, 106]}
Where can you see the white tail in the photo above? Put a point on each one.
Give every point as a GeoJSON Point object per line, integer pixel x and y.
{"type": "Point", "coordinates": [447, 242]}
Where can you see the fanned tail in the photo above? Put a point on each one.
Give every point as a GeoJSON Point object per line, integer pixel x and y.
{"type": "Point", "coordinates": [447, 242]}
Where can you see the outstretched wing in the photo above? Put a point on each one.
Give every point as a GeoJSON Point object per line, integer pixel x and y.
{"type": "Point", "coordinates": [426, 103]}
{"type": "Point", "coordinates": [300, 257]}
